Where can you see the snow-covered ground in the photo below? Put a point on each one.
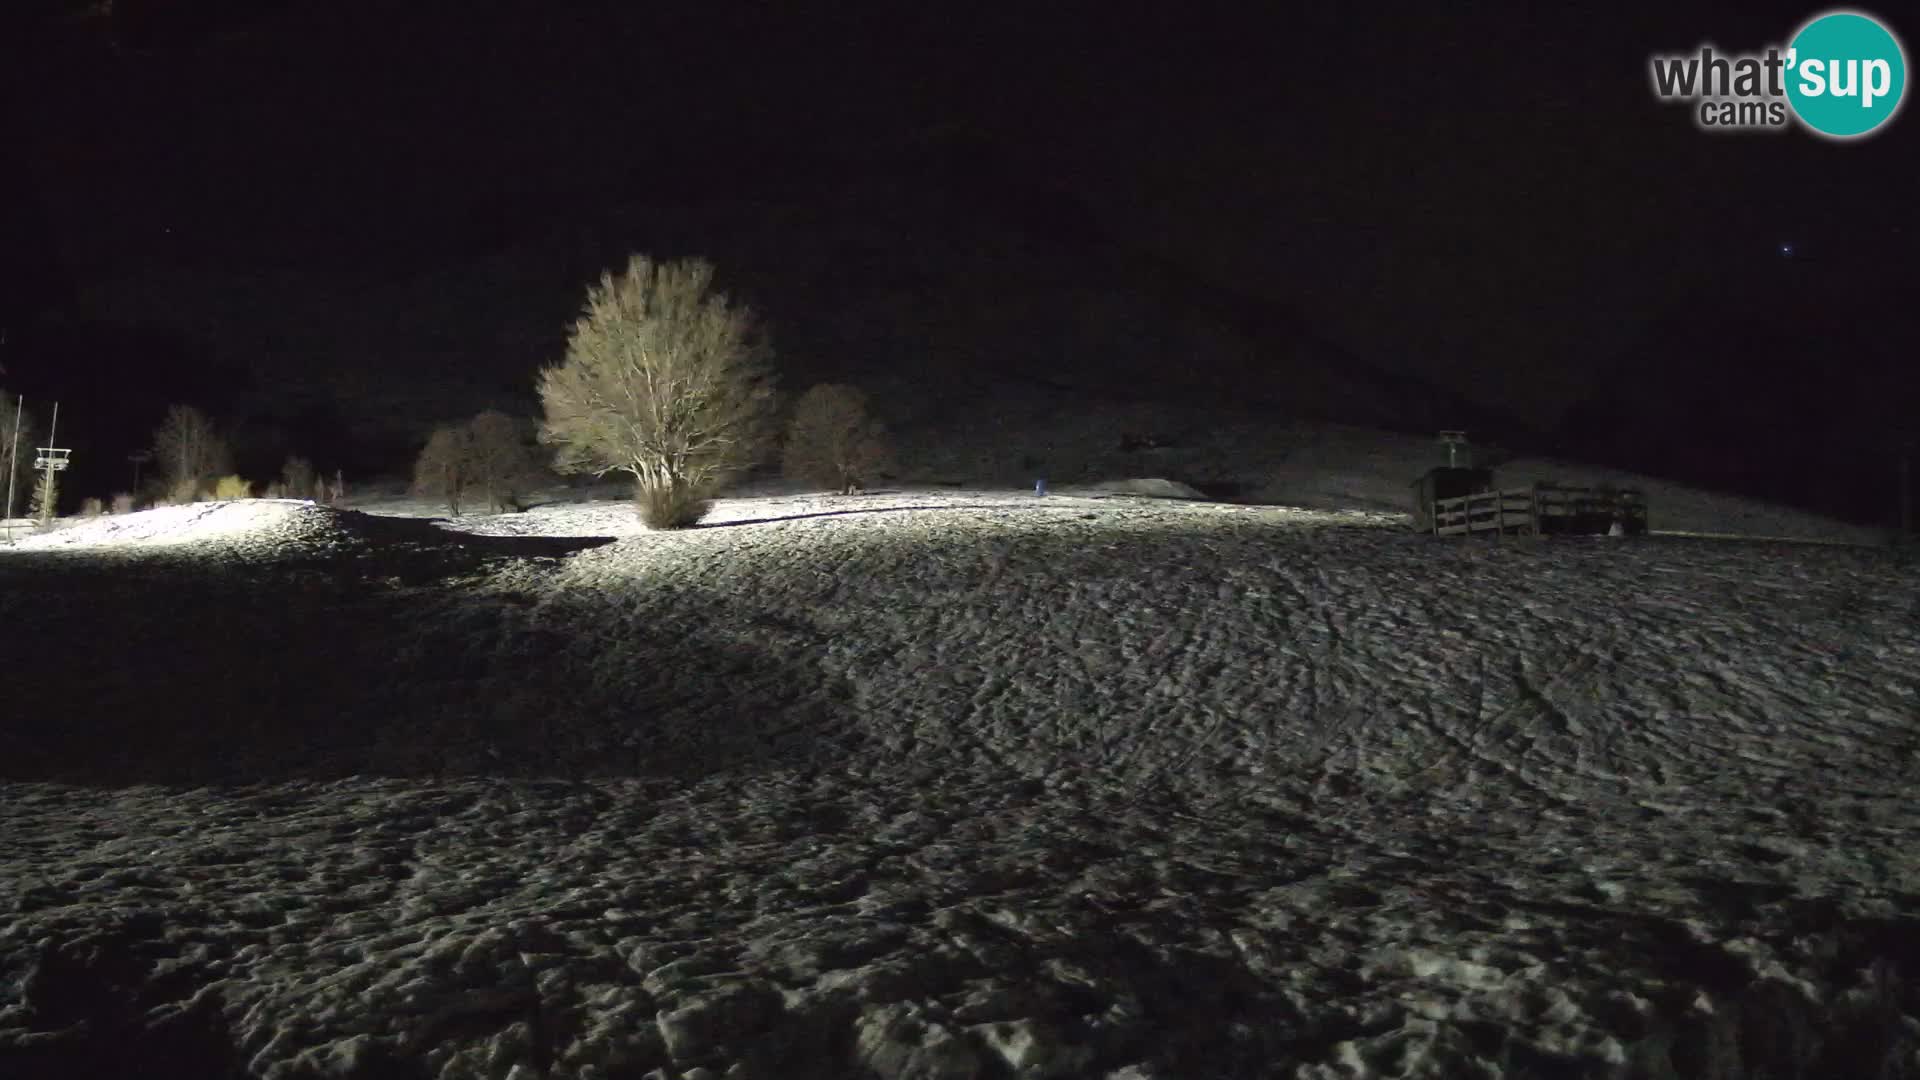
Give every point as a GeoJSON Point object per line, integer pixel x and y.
{"type": "Point", "coordinates": [951, 784]}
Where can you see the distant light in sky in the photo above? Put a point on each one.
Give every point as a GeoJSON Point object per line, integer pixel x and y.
{"type": "Point", "coordinates": [1786, 250]}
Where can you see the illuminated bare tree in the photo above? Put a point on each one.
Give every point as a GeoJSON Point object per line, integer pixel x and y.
{"type": "Point", "coordinates": [502, 466]}
{"type": "Point", "coordinates": [442, 468]}
{"type": "Point", "coordinates": [665, 379]}
{"type": "Point", "coordinates": [297, 478]}
{"type": "Point", "coordinates": [188, 451]}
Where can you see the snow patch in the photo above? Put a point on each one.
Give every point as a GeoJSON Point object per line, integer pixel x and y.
{"type": "Point", "coordinates": [1147, 487]}
{"type": "Point", "coordinates": [185, 524]}
{"type": "Point", "coordinates": [952, 783]}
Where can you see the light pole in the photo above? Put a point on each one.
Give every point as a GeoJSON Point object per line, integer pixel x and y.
{"type": "Point", "coordinates": [13, 457]}
{"type": "Point", "coordinates": [54, 460]}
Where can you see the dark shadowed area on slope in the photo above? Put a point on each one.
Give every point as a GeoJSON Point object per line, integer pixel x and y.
{"type": "Point", "coordinates": [355, 652]}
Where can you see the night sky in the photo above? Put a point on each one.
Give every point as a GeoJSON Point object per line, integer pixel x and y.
{"type": "Point", "coordinates": [1493, 200]}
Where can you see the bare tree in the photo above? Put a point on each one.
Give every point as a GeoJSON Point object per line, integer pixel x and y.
{"type": "Point", "coordinates": [188, 450]}
{"type": "Point", "coordinates": [666, 379]}
{"type": "Point", "coordinates": [501, 464]}
{"type": "Point", "coordinates": [442, 468]}
{"type": "Point", "coordinates": [46, 496]}
{"type": "Point", "coordinates": [296, 478]}
{"type": "Point", "coordinates": [832, 441]}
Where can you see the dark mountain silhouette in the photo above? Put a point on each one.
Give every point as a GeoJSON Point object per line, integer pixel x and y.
{"type": "Point", "coordinates": [942, 281]}
{"type": "Point", "coordinates": [144, 25]}
{"type": "Point", "coordinates": [33, 277]}
{"type": "Point", "coordinates": [1775, 389]}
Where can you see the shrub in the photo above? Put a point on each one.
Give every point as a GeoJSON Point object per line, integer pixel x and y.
{"type": "Point", "coordinates": [441, 468]}
{"type": "Point", "coordinates": [123, 503]}
{"type": "Point", "coordinates": [832, 441]}
{"type": "Point", "coordinates": [92, 508]}
{"type": "Point", "coordinates": [297, 478]}
{"type": "Point", "coordinates": [664, 379]}
{"type": "Point", "coordinates": [188, 451]}
{"type": "Point", "coordinates": [500, 464]}
{"type": "Point", "coordinates": [232, 487]}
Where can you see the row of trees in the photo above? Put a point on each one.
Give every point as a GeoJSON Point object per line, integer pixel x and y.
{"type": "Point", "coordinates": [486, 456]}
{"type": "Point", "coordinates": [195, 462]}
{"type": "Point", "coordinates": [831, 442]}
{"type": "Point", "coordinates": [192, 461]}
{"type": "Point", "coordinates": [665, 379]}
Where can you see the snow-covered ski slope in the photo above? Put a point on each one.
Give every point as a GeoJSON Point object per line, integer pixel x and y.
{"type": "Point", "coordinates": [952, 784]}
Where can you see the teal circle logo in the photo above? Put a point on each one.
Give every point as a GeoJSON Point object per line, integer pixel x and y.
{"type": "Point", "coordinates": [1846, 74]}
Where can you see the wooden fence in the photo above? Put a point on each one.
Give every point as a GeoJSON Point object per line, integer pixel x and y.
{"type": "Point", "coordinates": [1541, 510]}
